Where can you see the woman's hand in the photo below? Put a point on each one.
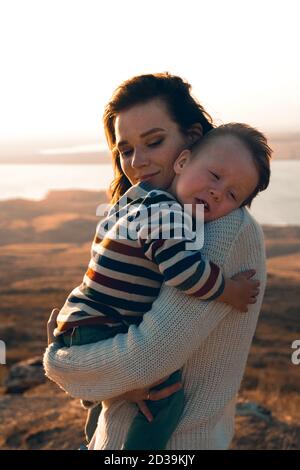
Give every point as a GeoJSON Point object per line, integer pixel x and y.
{"type": "Point", "coordinates": [51, 325]}
{"type": "Point", "coordinates": [140, 396]}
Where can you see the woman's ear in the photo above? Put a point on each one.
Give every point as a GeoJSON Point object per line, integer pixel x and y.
{"type": "Point", "coordinates": [195, 133]}
{"type": "Point", "coordinates": [182, 161]}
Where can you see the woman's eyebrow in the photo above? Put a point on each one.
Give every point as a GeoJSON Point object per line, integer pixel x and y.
{"type": "Point", "coordinates": [144, 134]}
{"type": "Point", "coordinates": [152, 131]}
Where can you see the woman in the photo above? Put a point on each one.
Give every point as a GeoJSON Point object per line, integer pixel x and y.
{"type": "Point", "coordinates": [148, 121]}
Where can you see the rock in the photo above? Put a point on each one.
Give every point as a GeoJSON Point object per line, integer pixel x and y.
{"type": "Point", "coordinates": [25, 375]}
{"type": "Point", "coordinates": [248, 408]}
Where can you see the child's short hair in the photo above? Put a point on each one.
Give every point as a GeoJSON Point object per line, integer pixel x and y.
{"type": "Point", "coordinates": [254, 141]}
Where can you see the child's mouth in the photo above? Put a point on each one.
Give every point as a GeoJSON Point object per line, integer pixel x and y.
{"type": "Point", "coordinates": [205, 204]}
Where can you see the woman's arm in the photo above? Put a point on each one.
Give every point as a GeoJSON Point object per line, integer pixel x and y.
{"type": "Point", "coordinates": [136, 359]}
{"type": "Point", "coordinates": [168, 335]}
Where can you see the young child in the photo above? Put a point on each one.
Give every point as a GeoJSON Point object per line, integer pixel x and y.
{"type": "Point", "coordinates": [224, 171]}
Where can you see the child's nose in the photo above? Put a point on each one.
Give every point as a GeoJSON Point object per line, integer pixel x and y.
{"type": "Point", "coordinates": [215, 194]}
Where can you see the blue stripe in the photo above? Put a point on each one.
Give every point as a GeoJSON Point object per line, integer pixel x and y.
{"type": "Point", "coordinates": [160, 235]}
{"type": "Point", "coordinates": [158, 199]}
{"type": "Point", "coordinates": [107, 312]}
{"type": "Point", "coordinates": [168, 253]}
{"type": "Point", "coordinates": [126, 268]}
{"type": "Point", "coordinates": [182, 265]}
{"type": "Point", "coordinates": [135, 289]}
{"type": "Point", "coordinates": [105, 309]}
{"type": "Point", "coordinates": [117, 302]}
{"type": "Point", "coordinates": [194, 278]}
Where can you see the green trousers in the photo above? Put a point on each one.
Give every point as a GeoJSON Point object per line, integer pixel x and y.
{"type": "Point", "coordinates": [166, 413]}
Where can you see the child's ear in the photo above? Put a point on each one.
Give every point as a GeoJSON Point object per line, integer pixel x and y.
{"type": "Point", "coordinates": [182, 161]}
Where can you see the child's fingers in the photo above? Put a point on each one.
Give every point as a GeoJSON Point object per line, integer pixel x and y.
{"type": "Point", "coordinates": [145, 410]}
{"type": "Point", "coordinates": [159, 381]}
{"type": "Point", "coordinates": [254, 288]}
{"type": "Point", "coordinates": [254, 285]}
{"type": "Point", "coordinates": [250, 273]}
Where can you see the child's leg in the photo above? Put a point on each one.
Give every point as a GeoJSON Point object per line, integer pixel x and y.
{"type": "Point", "coordinates": [143, 435]}
{"type": "Point", "coordinates": [92, 421]}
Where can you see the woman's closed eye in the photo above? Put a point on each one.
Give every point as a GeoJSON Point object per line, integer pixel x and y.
{"type": "Point", "coordinates": [155, 143]}
{"type": "Point", "coordinates": [126, 153]}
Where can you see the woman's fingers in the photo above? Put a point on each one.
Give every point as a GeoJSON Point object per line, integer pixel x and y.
{"type": "Point", "coordinates": [164, 392]}
{"type": "Point", "coordinates": [145, 410]}
{"type": "Point", "coordinates": [53, 315]}
{"type": "Point", "coordinates": [159, 381]}
{"type": "Point", "coordinates": [51, 325]}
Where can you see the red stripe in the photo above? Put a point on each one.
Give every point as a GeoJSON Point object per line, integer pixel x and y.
{"type": "Point", "coordinates": [118, 247]}
{"type": "Point", "coordinates": [64, 326]}
{"type": "Point", "coordinates": [110, 282]}
{"type": "Point", "coordinates": [211, 281]}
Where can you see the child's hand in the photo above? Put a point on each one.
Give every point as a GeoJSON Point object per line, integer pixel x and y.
{"type": "Point", "coordinates": [241, 290]}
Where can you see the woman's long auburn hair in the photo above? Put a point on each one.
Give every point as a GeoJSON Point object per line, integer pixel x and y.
{"type": "Point", "coordinates": [184, 109]}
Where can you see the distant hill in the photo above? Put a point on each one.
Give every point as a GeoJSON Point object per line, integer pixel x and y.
{"type": "Point", "coordinates": [56, 151]}
{"type": "Point", "coordinates": [285, 146]}
{"type": "Point", "coordinates": [73, 159]}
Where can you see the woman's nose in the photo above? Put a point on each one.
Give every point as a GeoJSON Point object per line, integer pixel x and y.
{"type": "Point", "coordinates": [139, 159]}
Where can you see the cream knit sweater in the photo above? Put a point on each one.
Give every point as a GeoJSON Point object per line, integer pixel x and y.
{"type": "Point", "coordinates": [210, 340]}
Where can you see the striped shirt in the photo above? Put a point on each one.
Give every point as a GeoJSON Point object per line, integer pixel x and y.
{"type": "Point", "coordinates": [140, 244]}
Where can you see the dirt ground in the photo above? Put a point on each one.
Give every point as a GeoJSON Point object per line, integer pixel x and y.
{"type": "Point", "coordinates": [44, 247]}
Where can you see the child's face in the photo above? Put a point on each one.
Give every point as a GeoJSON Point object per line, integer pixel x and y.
{"type": "Point", "coordinates": [221, 176]}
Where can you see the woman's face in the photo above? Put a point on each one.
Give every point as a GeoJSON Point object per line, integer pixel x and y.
{"type": "Point", "coordinates": [149, 142]}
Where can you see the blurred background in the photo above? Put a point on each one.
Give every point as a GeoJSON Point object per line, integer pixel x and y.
{"type": "Point", "coordinates": [60, 62]}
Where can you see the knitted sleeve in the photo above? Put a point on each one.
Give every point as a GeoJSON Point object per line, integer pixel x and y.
{"type": "Point", "coordinates": [166, 338]}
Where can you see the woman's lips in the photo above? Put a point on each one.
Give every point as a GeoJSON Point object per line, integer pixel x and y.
{"type": "Point", "coordinates": [147, 177]}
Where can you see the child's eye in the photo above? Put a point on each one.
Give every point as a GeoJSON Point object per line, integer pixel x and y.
{"type": "Point", "coordinates": [215, 175]}
{"type": "Point", "coordinates": [232, 196]}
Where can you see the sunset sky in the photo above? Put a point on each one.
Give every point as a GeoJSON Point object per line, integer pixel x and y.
{"type": "Point", "coordinates": [61, 60]}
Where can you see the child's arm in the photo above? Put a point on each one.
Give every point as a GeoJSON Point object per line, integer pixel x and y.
{"type": "Point", "coordinates": [240, 290]}
{"type": "Point", "coordinates": [181, 268]}
{"type": "Point", "coordinates": [186, 269]}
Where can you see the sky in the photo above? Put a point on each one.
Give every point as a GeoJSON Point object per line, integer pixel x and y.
{"type": "Point", "coordinates": [62, 59]}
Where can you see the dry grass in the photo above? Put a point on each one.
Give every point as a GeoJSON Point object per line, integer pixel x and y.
{"type": "Point", "coordinates": [41, 263]}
